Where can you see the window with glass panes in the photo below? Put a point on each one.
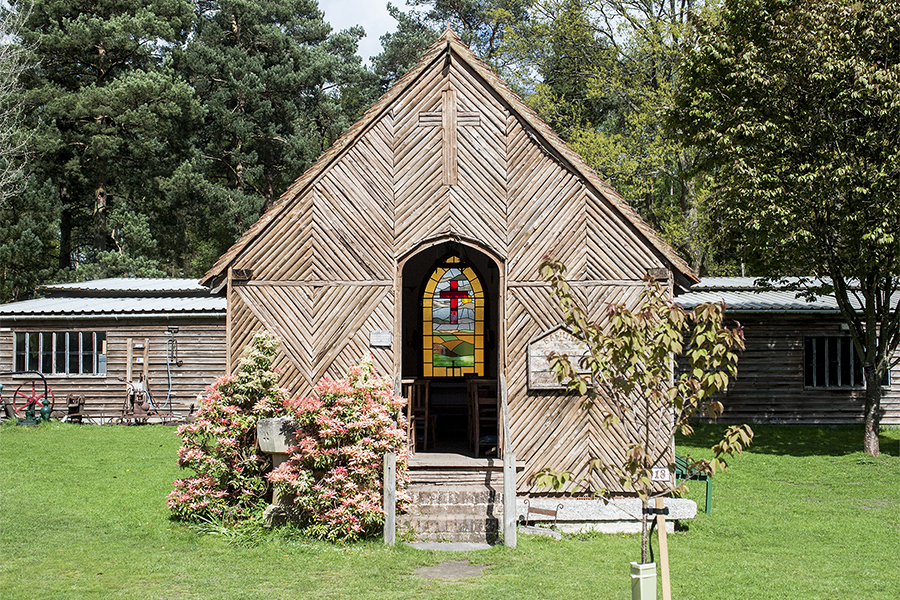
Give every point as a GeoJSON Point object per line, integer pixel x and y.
{"type": "Point", "coordinates": [61, 352]}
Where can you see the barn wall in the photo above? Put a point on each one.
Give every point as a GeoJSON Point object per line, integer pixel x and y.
{"type": "Point", "coordinates": [200, 343]}
{"type": "Point", "coordinates": [770, 385]}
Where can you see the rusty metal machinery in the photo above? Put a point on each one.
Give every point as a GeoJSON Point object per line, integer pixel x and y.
{"type": "Point", "coordinates": [28, 396]}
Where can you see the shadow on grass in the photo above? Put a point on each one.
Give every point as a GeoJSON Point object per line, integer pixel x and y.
{"type": "Point", "coordinates": [798, 440]}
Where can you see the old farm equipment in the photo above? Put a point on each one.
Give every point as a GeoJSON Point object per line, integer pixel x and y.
{"type": "Point", "coordinates": [31, 397]}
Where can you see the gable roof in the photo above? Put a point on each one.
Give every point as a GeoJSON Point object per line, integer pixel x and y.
{"type": "Point", "coordinates": [450, 42]}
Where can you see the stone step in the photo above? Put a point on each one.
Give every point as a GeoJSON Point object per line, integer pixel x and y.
{"type": "Point", "coordinates": [438, 495]}
{"type": "Point", "coordinates": [449, 528]}
{"type": "Point", "coordinates": [461, 513]}
{"type": "Point", "coordinates": [470, 510]}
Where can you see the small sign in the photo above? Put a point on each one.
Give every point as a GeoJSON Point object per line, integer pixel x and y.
{"type": "Point", "coordinates": [381, 338]}
{"type": "Point", "coordinates": [560, 341]}
{"type": "Point", "coordinates": [660, 474]}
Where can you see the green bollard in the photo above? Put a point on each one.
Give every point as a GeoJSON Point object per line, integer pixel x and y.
{"type": "Point", "coordinates": [643, 581]}
{"type": "Point", "coordinates": [45, 410]}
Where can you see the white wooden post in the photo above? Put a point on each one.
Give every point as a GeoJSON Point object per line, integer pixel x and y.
{"type": "Point", "coordinates": [390, 498]}
{"type": "Point", "coordinates": [509, 474]}
{"type": "Point", "coordinates": [509, 499]}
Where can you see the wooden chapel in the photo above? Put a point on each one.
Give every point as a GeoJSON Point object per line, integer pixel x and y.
{"type": "Point", "coordinates": [416, 238]}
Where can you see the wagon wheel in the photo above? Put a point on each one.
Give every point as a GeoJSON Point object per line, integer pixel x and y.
{"type": "Point", "coordinates": [21, 399]}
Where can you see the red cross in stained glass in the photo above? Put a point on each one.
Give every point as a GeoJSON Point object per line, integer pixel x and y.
{"type": "Point", "coordinates": [454, 294]}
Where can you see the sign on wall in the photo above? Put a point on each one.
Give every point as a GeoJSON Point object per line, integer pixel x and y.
{"type": "Point", "coordinates": [560, 341]}
{"type": "Point", "coordinates": [380, 338]}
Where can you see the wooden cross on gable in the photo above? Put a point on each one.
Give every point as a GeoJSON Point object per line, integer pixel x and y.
{"type": "Point", "coordinates": [448, 118]}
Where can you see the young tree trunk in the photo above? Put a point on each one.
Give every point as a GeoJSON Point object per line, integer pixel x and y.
{"type": "Point", "coordinates": [873, 411]}
{"type": "Point", "coordinates": [100, 214]}
{"type": "Point", "coordinates": [645, 534]}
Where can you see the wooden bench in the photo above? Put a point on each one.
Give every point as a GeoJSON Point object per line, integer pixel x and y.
{"type": "Point", "coordinates": [683, 472]}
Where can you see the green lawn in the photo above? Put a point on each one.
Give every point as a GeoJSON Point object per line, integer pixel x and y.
{"type": "Point", "coordinates": [803, 514]}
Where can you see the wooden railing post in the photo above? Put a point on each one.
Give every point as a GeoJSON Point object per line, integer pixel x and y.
{"type": "Point", "coordinates": [509, 474]}
{"type": "Point", "coordinates": [390, 498]}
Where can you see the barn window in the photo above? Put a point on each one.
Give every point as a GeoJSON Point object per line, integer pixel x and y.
{"type": "Point", "coordinates": [61, 352]}
{"type": "Point", "coordinates": [832, 362]}
{"type": "Point", "coordinates": [453, 315]}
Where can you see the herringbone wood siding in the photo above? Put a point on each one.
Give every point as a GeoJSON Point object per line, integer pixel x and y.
{"type": "Point", "coordinates": [325, 275]}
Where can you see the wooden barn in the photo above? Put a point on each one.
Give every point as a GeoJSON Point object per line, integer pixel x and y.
{"type": "Point", "coordinates": [417, 237]}
{"type": "Point", "coordinates": [799, 365]}
{"type": "Point", "coordinates": [84, 337]}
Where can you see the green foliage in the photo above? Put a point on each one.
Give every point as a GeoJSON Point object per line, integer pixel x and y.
{"type": "Point", "coordinates": [220, 444]}
{"type": "Point", "coordinates": [483, 25]}
{"type": "Point", "coordinates": [184, 119]}
{"type": "Point", "coordinates": [13, 136]}
{"type": "Point", "coordinates": [108, 117]}
{"type": "Point", "coordinates": [403, 47]}
{"type": "Point", "coordinates": [602, 74]}
{"type": "Point", "coordinates": [333, 476]}
{"type": "Point", "coordinates": [627, 373]}
{"type": "Point", "coordinates": [271, 75]}
{"type": "Point", "coordinates": [796, 108]}
{"type": "Point", "coordinates": [27, 240]}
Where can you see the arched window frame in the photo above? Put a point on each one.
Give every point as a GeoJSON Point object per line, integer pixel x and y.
{"type": "Point", "coordinates": [430, 338]}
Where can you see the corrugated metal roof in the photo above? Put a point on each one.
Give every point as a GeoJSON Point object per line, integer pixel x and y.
{"type": "Point", "coordinates": [115, 306]}
{"type": "Point", "coordinates": [127, 284]}
{"type": "Point", "coordinates": [758, 301]}
{"type": "Point", "coordinates": [738, 294]}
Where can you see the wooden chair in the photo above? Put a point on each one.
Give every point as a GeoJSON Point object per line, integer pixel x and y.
{"type": "Point", "coordinates": [483, 411]}
{"type": "Point", "coordinates": [419, 420]}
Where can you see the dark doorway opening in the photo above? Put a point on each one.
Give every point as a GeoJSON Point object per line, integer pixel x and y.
{"type": "Point", "coordinates": [443, 354]}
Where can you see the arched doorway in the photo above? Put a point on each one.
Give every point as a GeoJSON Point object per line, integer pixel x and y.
{"type": "Point", "coordinates": [449, 331]}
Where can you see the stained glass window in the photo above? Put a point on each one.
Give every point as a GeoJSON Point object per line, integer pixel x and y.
{"type": "Point", "coordinates": [453, 311]}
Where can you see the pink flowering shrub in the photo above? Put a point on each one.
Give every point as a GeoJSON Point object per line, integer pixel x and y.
{"type": "Point", "coordinates": [220, 445]}
{"type": "Point", "coordinates": [334, 473]}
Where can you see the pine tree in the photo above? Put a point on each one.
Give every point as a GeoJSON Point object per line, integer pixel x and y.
{"type": "Point", "coordinates": [109, 117]}
{"type": "Point", "coordinates": [275, 81]}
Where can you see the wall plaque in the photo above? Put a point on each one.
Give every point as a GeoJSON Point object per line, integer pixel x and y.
{"type": "Point", "coordinates": [559, 340]}
{"type": "Point", "coordinates": [380, 338]}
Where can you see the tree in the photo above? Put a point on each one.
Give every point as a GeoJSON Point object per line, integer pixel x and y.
{"type": "Point", "coordinates": [483, 26]}
{"type": "Point", "coordinates": [109, 117]}
{"type": "Point", "coordinates": [13, 137]}
{"type": "Point", "coordinates": [627, 372]}
{"type": "Point", "coordinates": [28, 239]}
{"type": "Point", "coordinates": [278, 87]}
{"type": "Point", "coordinates": [402, 48]}
{"type": "Point", "coordinates": [602, 72]}
{"type": "Point", "coordinates": [270, 74]}
{"type": "Point", "coordinates": [27, 215]}
{"type": "Point", "coordinates": [796, 107]}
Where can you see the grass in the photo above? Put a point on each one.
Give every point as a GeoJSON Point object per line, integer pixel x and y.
{"type": "Point", "coordinates": [802, 514]}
